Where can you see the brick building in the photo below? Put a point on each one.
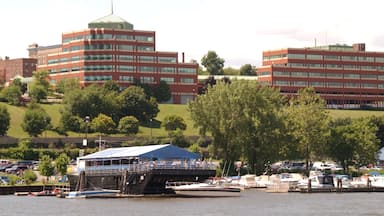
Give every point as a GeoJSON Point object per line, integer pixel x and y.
{"type": "Point", "coordinates": [10, 68]}
{"type": "Point", "coordinates": [345, 76]}
{"type": "Point", "coordinates": [111, 49]}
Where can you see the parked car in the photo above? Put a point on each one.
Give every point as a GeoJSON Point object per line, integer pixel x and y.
{"type": "Point", "coordinates": [15, 169]}
{"type": "Point", "coordinates": [4, 180]}
{"type": "Point", "coordinates": [3, 167]}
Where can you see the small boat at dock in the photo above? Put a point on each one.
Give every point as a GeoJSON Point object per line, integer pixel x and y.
{"type": "Point", "coordinates": [103, 193]}
{"type": "Point", "coordinates": [196, 189]}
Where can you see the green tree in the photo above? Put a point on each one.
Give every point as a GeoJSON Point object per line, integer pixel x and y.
{"type": "Point", "coordinates": [162, 92]}
{"type": "Point", "coordinates": [61, 163]}
{"type": "Point", "coordinates": [13, 95]}
{"type": "Point", "coordinates": [91, 101]}
{"type": "Point", "coordinates": [129, 125]}
{"type": "Point", "coordinates": [35, 120]}
{"type": "Point", "coordinates": [103, 124]}
{"type": "Point", "coordinates": [22, 86]}
{"type": "Point", "coordinates": [65, 85]}
{"type": "Point", "coordinates": [231, 71]}
{"type": "Point", "coordinates": [309, 121]}
{"type": "Point", "coordinates": [37, 92]}
{"type": "Point", "coordinates": [354, 142]}
{"type": "Point", "coordinates": [247, 70]}
{"type": "Point", "coordinates": [4, 120]}
{"type": "Point", "coordinates": [213, 63]}
{"type": "Point", "coordinates": [41, 77]}
{"type": "Point", "coordinates": [29, 176]}
{"type": "Point", "coordinates": [174, 122]}
{"type": "Point", "coordinates": [69, 122]}
{"type": "Point", "coordinates": [111, 86]}
{"type": "Point", "coordinates": [133, 102]}
{"type": "Point", "coordinates": [45, 166]}
{"type": "Point", "coordinates": [242, 119]}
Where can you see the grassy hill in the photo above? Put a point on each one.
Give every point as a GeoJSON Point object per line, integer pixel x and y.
{"type": "Point", "coordinates": [17, 114]}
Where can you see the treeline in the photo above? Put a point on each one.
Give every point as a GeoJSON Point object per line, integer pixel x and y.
{"type": "Point", "coordinates": [255, 124]}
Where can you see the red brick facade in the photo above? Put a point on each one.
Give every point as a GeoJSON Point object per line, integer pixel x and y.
{"type": "Point", "coordinates": [10, 68]}
{"type": "Point", "coordinates": [345, 76]}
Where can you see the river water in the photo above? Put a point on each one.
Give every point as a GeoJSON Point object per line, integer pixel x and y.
{"type": "Point", "coordinates": [251, 202]}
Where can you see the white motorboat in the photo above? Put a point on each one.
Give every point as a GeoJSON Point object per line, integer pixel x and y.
{"type": "Point", "coordinates": [317, 181]}
{"type": "Point", "coordinates": [103, 193]}
{"type": "Point", "coordinates": [203, 189]}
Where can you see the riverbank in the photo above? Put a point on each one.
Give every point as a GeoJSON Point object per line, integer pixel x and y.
{"type": "Point", "coordinates": [9, 190]}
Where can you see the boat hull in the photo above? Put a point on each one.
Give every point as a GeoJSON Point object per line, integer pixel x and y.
{"type": "Point", "coordinates": [92, 194]}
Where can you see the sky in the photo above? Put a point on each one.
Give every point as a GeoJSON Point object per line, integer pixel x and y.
{"type": "Point", "coordinates": [237, 30]}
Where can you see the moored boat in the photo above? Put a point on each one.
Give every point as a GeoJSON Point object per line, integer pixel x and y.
{"type": "Point", "coordinates": [203, 190]}
{"type": "Point", "coordinates": [103, 193]}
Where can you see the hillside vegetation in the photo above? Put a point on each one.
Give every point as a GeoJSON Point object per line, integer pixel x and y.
{"type": "Point", "coordinates": [17, 114]}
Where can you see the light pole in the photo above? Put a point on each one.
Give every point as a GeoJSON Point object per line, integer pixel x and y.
{"type": "Point", "coordinates": [87, 119]}
{"type": "Point", "coordinates": [150, 126]}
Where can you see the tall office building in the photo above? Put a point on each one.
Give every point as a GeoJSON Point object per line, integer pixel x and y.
{"type": "Point", "coordinates": [345, 76]}
{"type": "Point", "coordinates": [111, 49]}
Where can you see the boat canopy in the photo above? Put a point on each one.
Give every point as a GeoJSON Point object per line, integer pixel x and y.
{"type": "Point", "coordinates": [150, 152]}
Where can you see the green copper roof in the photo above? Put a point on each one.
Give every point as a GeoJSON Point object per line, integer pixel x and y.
{"type": "Point", "coordinates": [110, 22]}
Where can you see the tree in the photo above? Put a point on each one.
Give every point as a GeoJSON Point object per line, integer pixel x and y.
{"type": "Point", "coordinates": [4, 120]}
{"type": "Point", "coordinates": [65, 85]}
{"type": "Point", "coordinates": [309, 122]}
{"type": "Point", "coordinates": [37, 92]}
{"type": "Point", "coordinates": [162, 92]}
{"type": "Point", "coordinates": [41, 77]}
{"type": "Point", "coordinates": [22, 86]}
{"type": "Point", "coordinates": [133, 102]}
{"type": "Point", "coordinates": [111, 86]}
{"type": "Point", "coordinates": [354, 142]}
{"type": "Point", "coordinates": [91, 101]}
{"type": "Point", "coordinates": [230, 71]}
{"type": "Point", "coordinates": [103, 124]}
{"type": "Point", "coordinates": [213, 63]}
{"type": "Point", "coordinates": [13, 95]}
{"type": "Point", "coordinates": [174, 122]}
{"type": "Point", "coordinates": [129, 125]}
{"type": "Point", "coordinates": [70, 122]}
{"type": "Point", "coordinates": [243, 120]}
{"type": "Point", "coordinates": [247, 70]}
{"type": "Point", "coordinates": [61, 163]}
{"type": "Point", "coordinates": [36, 120]}
{"type": "Point", "coordinates": [45, 166]}
{"type": "Point", "coordinates": [29, 176]}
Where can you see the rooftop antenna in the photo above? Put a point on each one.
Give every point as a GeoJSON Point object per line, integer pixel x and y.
{"type": "Point", "coordinates": [111, 6]}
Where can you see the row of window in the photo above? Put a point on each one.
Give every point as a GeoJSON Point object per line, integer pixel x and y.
{"type": "Point", "coordinates": [122, 47]}
{"type": "Point", "coordinates": [124, 68]}
{"type": "Point", "coordinates": [169, 80]}
{"type": "Point", "coordinates": [328, 84]}
{"type": "Point", "coordinates": [109, 57]}
{"type": "Point", "coordinates": [324, 57]}
{"type": "Point", "coordinates": [109, 37]}
{"type": "Point", "coordinates": [328, 75]}
{"type": "Point", "coordinates": [336, 66]}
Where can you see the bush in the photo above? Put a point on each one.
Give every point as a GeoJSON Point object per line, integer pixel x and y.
{"type": "Point", "coordinates": [29, 176]}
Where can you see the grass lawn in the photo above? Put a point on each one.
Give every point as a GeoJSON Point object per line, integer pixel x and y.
{"type": "Point", "coordinates": [17, 114]}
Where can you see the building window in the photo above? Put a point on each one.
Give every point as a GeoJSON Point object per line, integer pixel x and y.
{"type": "Point", "coordinates": [146, 59]}
{"type": "Point", "coordinates": [319, 75]}
{"type": "Point", "coordinates": [351, 76]}
{"type": "Point", "coordinates": [281, 83]}
{"type": "Point", "coordinates": [124, 37]}
{"type": "Point", "coordinates": [316, 84]}
{"type": "Point", "coordinates": [126, 68]}
{"type": "Point", "coordinates": [167, 59]}
{"type": "Point", "coordinates": [147, 79]}
{"type": "Point", "coordinates": [300, 83]}
{"type": "Point", "coordinates": [335, 84]}
{"type": "Point", "coordinates": [187, 80]}
{"type": "Point", "coordinates": [187, 70]}
{"type": "Point", "coordinates": [296, 56]}
{"type": "Point", "coordinates": [125, 47]}
{"type": "Point", "coordinates": [334, 75]}
{"type": "Point", "coordinates": [167, 70]}
{"type": "Point", "coordinates": [168, 80]}
{"type": "Point", "coordinates": [146, 69]}
{"type": "Point", "coordinates": [281, 73]}
{"type": "Point", "coordinates": [126, 78]}
{"type": "Point", "coordinates": [299, 74]}
{"type": "Point", "coordinates": [368, 76]}
{"type": "Point", "coordinates": [331, 57]}
{"type": "Point", "coordinates": [369, 85]}
{"type": "Point", "coordinates": [75, 58]}
{"type": "Point", "coordinates": [144, 48]}
{"type": "Point", "coordinates": [351, 85]}
{"type": "Point", "coordinates": [125, 58]}
{"type": "Point", "coordinates": [314, 57]}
